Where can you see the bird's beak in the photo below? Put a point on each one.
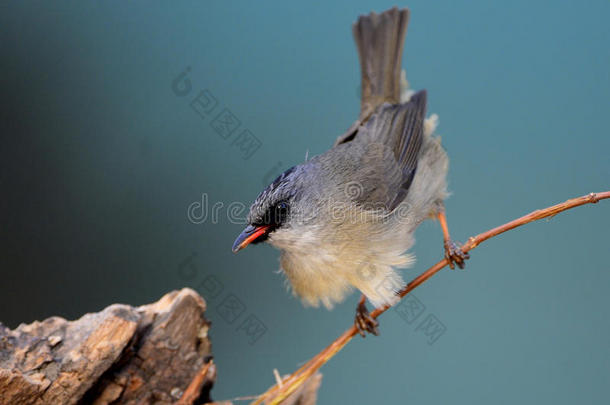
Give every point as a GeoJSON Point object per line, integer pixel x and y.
{"type": "Point", "coordinates": [248, 235]}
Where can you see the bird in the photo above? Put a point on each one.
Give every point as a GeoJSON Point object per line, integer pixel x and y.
{"type": "Point", "coordinates": [345, 220]}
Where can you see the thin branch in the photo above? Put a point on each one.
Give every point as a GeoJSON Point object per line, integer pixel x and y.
{"type": "Point", "coordinates": [207, 373]}
{"type": "Point", "coordinates": [276, 395]}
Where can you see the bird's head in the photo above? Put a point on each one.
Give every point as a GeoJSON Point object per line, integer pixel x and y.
{"type": "Point", "coordinates": [276, 208]}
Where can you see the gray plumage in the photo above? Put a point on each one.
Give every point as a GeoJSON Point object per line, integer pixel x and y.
{"type": "Point", "coordinates": [345, 219]}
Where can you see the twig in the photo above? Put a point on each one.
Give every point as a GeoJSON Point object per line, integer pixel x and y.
{"type": "Point", "coordinates": [276, 394]}
{"type": "Point", "coordinates": [193, 391]}
{"type": "Point", "coordinates": [278, 379]}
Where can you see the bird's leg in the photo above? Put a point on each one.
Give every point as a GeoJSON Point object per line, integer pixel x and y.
{"type": "Point", "coordinates": [364, 322]}
{"type": "Point", "coordinates": [453, 251]}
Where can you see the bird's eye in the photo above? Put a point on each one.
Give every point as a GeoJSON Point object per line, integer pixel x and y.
{"type": "Point", "coordinates": [281, 212]}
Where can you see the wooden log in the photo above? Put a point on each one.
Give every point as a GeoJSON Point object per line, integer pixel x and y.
{"type": "Point", "coordinates": [154, 354]}
{"type": "Point", "coordinates": [122, 354]}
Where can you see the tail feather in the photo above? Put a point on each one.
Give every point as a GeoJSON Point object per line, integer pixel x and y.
{"type": "Point", "coordinates": [380, 39]}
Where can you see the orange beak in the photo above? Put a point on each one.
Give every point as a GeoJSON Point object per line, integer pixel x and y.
{"type": "Point", "coordinates": [248, 235]}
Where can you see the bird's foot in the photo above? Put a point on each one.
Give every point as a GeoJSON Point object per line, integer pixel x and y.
{"type": "Point", "coordinates": [455, 255]}
{"type": "Point", "coordinates": [364, 322]}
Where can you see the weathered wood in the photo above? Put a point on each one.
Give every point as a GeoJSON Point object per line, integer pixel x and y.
{"type": "Point", "coordinates": [154, 354]}
{"type": "Point", "coordinates": [122, 354]}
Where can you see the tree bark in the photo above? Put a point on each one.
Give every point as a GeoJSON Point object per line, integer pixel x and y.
{"type": "Point", "coordinates": [153, 354]}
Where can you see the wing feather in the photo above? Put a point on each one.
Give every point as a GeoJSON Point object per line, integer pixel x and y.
{"type": "Point", "coordinates": [389, 146]}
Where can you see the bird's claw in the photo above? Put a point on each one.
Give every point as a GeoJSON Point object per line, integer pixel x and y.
{"type": "Point", "coordinates": [455, 255]}
{"type": "Point", "coordinates": [364, 322]}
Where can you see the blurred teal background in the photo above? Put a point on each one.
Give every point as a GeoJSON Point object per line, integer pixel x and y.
{"type": "Point", "coordinates": [101, 159]}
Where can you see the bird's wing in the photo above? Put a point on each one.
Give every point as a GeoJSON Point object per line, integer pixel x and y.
{"type": "Point", "coordinates": [388, 149]}
{"type": "Point", "coordinates": [379, 39]}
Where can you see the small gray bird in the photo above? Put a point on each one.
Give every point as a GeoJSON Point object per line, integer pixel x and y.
{"type": "Point", "coordinates": [345, 219]}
